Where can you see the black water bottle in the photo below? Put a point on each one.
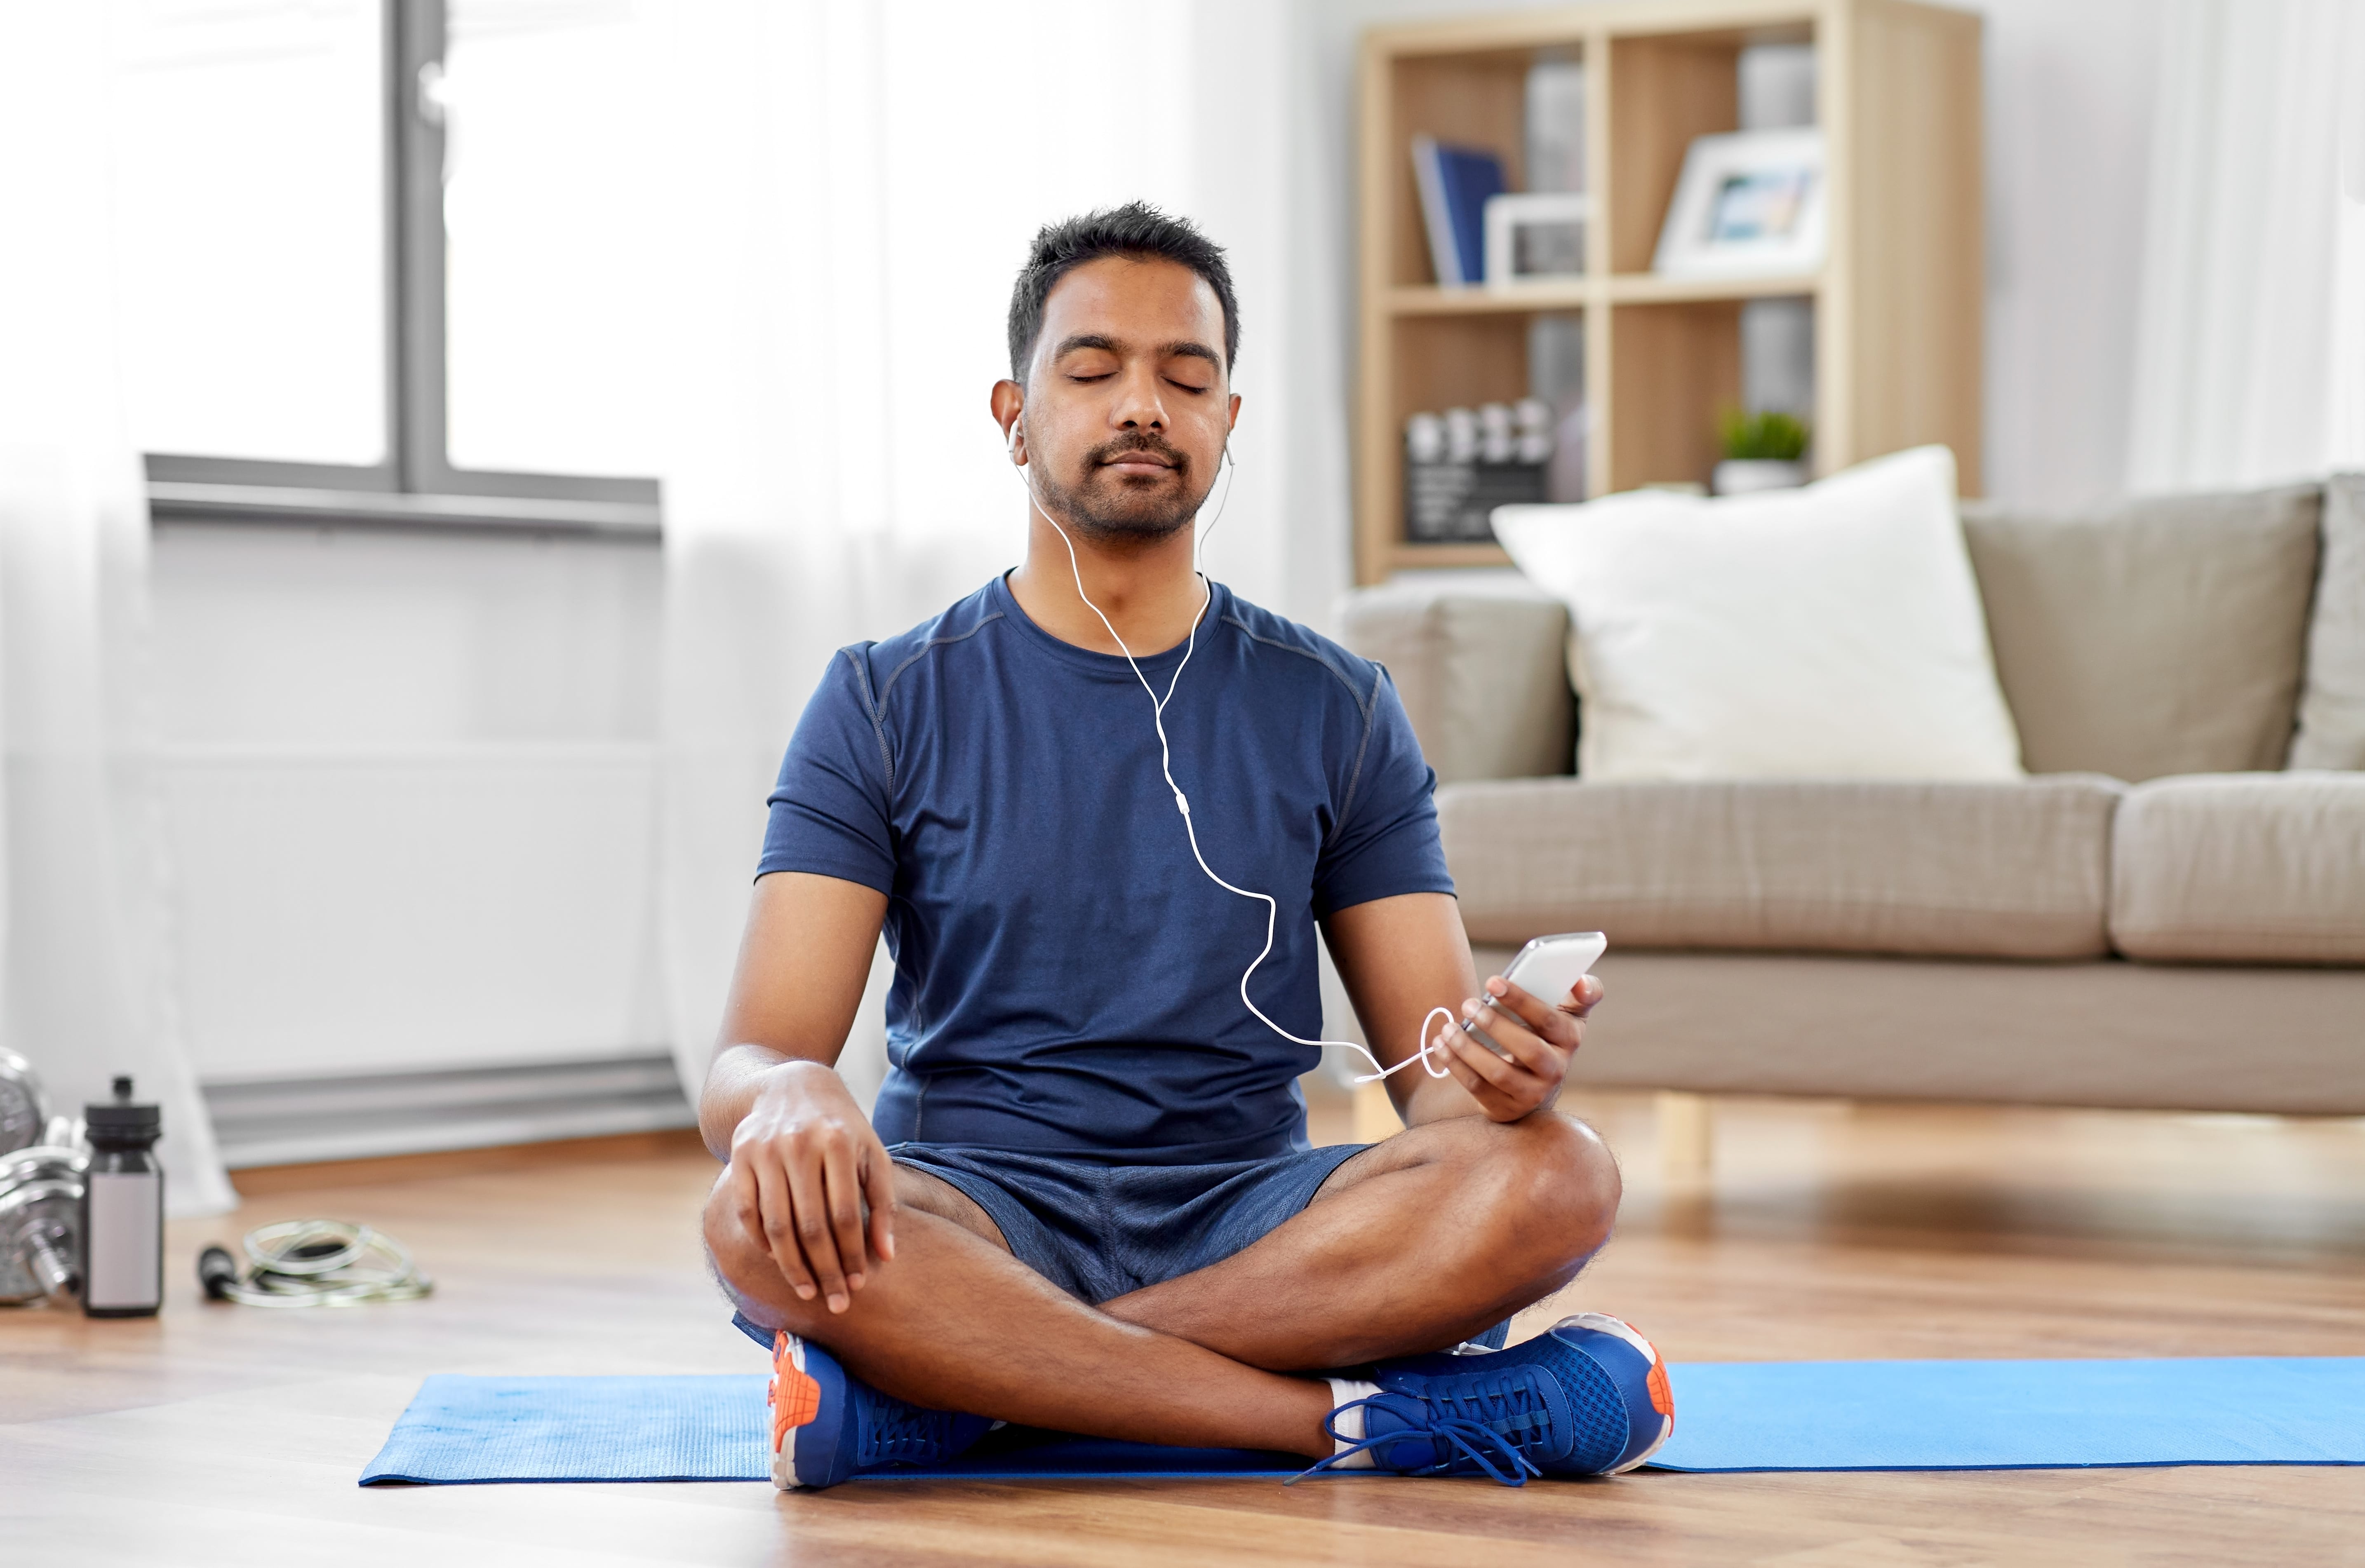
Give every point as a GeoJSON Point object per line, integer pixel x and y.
{"type": "Point", "coordinates": [123, 1209]}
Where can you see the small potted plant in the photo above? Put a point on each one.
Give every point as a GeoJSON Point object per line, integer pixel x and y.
{"type": "Point", "coordinates": [1761, 451]}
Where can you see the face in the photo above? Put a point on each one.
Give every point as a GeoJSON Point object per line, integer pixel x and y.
{"type": "Point", "coordinates": [1127, 403]}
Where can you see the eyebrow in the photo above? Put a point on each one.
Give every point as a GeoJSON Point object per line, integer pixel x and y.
{"type": "Point", "coordinates": [1187, 347]}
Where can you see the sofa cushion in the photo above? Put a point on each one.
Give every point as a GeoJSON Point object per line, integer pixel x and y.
{"type": "Point", "coordinates": [2017, 869]}
{"type": "Point", "coordinates": [2162, 635]}
{"type": "Point", "coordinates": [2332, 702]}
{"type": "Point", "coordinates": [2242, 868]}
{"type": "Point", "coordinates": [1480, 667]}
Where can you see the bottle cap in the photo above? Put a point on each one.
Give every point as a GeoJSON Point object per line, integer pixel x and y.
{"type": "Point", "coordinates": [120, 1120]}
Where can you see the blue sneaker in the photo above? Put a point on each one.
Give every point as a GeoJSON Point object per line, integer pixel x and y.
{"type": "Point", "coordinates": [1588, 1397]}
{"type": "Point", "coordinates": [827, 1426]}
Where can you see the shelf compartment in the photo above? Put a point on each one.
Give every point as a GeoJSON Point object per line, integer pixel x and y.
{"type": "Point", "coordinates": [1467, 99]}
{"type": "Point", "coordinates": [1672, 367]}
{"type": "Point", "coordinates": [1458, 362]}
{"type": "Point", "coordinates": [1434, 363]}
{"type": "Point", "coordinates": [1665, 90]}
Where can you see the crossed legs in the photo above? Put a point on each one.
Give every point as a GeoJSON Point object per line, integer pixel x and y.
{"type": "Point", "coordinates": [1412, 1245]}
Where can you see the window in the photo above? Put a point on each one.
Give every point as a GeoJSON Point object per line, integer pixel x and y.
{"type": "Point", "coordinates": [382, 257]}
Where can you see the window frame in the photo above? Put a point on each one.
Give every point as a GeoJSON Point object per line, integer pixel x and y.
{"type": "Point", "coordinates": [415, 484]}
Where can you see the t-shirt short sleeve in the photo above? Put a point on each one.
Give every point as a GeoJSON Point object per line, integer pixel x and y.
{"type": "Point", "coordinates": [1386, 841]}
{"type": "Point", "coordinates": [831, 812]}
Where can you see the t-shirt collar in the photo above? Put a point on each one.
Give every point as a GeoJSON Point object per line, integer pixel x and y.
{"type": "Point", "coordinates": [1107, 665]}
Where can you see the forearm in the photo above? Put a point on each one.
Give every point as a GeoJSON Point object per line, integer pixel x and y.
{"type": "Point", "coordinates": [1425, 1099]}
{"type": "Point", "coordinates": [802, 969]}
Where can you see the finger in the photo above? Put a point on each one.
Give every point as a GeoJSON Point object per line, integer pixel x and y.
{"type": "Point", "coordinates": [843, 1193]}
{"type": "Point", "coordinates": [1499, 1074]}
{"type": "Point", "coordinates": [1525, 1047]}
{"type": "Point", "coordinates": [877, 1174]}
{"type": "Point", "coordinates": [1547, 1021]}
{"type": "Point", "coordinates": [1492, 1082]}
{"type": "Point", "coordinates": [777, 1223]}
{"type": "Point", "coordinates": [1582, 996]}
{"type": "Point", "coordinates": [1541, 1063]}
{"type": "Point", "coordinates": [746, 1201]}
{"type": "Point", "coordinates": [1536, 1067]}
{"type": "Point", "coordinates": [1458, 1070]}
{"type": "Point", "coordinates": [813, 1229]}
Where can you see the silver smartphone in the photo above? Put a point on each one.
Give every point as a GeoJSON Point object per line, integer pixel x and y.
{"type": "Point", "coordinates": [1547, 970]}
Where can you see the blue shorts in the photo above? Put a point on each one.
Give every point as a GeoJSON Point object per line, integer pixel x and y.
{"type": "Point", "coordinates": [1099, 1230]}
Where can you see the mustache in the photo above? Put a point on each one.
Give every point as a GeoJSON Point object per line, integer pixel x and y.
{"type": "Point", "coordinates": [1109, 452]}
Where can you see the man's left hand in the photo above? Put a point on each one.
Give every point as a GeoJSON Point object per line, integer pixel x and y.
{"type": "Point", "coordinates": [1540, 1036]}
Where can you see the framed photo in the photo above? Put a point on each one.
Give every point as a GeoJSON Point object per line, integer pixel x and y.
{"type": "Point", "coordinates": [1747, 204]}
{"type": "Point", "coordinates": [1534, 235]}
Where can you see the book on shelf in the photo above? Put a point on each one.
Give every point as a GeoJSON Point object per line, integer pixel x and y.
{"type": "Point", "coordinates": [1454, 183]}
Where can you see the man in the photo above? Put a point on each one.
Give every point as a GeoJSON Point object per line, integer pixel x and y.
{"type": "Point", "coordinates": [1088, 1202]}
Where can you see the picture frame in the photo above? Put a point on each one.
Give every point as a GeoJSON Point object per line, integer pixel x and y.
{"type": "Point", "coordinates": [1748, 203]}
{"type": "Point", "coordinates": [1535, 235]}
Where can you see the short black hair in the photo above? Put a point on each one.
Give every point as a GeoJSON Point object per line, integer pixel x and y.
{"type": "Point", "coordinates": [1136, 230]}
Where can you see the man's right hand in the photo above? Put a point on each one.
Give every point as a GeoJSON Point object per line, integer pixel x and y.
{"type": "Point", "coordinates": [804, 1163]}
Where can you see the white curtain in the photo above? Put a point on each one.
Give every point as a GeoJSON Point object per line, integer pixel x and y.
{"type": "Point", "coordinates": [85, 957]}
{"type": "Point", "coordinates": [850, 190]}
{"type": "Point", "coordinates": [2250, 331]}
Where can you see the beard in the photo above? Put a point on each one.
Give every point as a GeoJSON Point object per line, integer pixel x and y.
{"type": "Point", "coordinates": [1105, 506]}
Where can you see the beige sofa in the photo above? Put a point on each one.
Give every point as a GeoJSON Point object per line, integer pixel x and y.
{"type": "Point", "coordinates": [2167, 912]}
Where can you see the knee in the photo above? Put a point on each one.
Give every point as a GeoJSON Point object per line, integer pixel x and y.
{"type": "Point", "coordinates": [1555, 1188]}
{"type": "Point", "coordinates": [743, 1266]}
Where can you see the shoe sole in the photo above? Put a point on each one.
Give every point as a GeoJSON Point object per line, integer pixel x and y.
{"type": "Point", "coordinates": [1654, 1383]}
{"type": "Point", "coordinates": [795, 1398]}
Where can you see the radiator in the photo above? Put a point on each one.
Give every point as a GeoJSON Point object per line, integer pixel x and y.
{"type": "Point", "coordinates": [285, 1121]}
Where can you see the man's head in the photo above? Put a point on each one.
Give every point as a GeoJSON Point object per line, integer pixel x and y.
{"type": "Point", "coordinates": [1123, 329]}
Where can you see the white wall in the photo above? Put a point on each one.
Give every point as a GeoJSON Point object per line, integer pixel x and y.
{"type": "Point", "coordinates": [409, 784]}
{"type": "Point", "coordinates": [2069, 132]}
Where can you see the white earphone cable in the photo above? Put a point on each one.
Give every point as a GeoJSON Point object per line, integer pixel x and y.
{"type": "Point", "coordinates": [1182, 802]}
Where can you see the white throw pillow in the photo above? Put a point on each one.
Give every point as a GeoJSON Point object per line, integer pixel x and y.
{"type": "Point", "coordinates": [1831, 632]}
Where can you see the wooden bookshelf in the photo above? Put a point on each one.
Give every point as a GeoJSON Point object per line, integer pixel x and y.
{"type": "Point", "coordinates": [1897, 302]}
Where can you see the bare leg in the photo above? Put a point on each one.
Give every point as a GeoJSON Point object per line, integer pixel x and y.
{"type": "Point", "coordinates": [1415, 1244]}
{"type": "Point", "coordinates": [955, 1322]}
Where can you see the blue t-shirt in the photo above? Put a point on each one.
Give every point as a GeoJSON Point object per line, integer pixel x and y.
{"type": "Point", "coordinates": [1067, 979]}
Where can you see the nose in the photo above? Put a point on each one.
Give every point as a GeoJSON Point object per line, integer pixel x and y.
{"type": "Point", "coordinates": [1140, 406]}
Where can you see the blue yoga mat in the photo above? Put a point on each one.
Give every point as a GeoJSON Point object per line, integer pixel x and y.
{"type": "Point", "coordinates": [2016, 1414]}
{"type": "Point", "coordinates": [461, 1430]}
{"type": "Point", "coordinates": [1729, 1416]}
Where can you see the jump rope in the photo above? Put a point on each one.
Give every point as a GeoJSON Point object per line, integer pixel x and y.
{"type": "Point", "coordinates": [1183, 802]}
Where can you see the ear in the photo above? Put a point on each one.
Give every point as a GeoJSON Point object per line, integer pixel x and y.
{"type": "Point", "coordinates": [1009, 402]}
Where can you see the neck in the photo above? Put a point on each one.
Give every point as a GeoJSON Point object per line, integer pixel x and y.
{"type": "Point", "coordinates": [1148, 589]}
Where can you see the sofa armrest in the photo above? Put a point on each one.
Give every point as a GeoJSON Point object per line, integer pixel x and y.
{"type": "Point", "coordinates": [1481, 669]}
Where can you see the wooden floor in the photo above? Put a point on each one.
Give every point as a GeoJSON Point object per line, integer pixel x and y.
{"type": "Point", "coordinates": [229, 1435]}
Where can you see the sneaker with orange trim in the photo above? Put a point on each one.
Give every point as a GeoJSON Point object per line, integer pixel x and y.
{"type": "Point", "coordinates": [829, 1425]}
{"type": "Point", "coordinates": [1587, 1397]}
